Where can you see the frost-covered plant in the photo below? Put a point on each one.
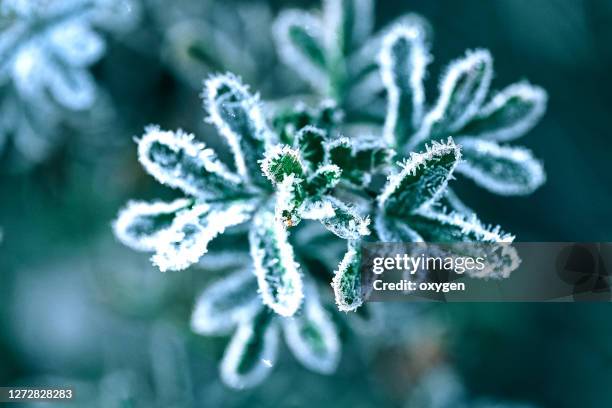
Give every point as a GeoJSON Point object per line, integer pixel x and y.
{"type": "Point", "coordinates": [301, 168]}
{"type": "Point", "coordinates": [204, 37]}
{"type": "Point", "coordinates": [46, 48]}
{"type": "Point", "coordinates": [332, 52]}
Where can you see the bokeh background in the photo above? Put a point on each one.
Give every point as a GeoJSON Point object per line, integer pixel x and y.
{"type": "Point", "coordinates": [78, 308]}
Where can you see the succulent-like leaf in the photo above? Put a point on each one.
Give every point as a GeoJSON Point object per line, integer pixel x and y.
{"type": "Point", "coordinates": [323, 180]}
{"type": "Point", "coordinates": [510, 114]}
{"type": "Point", "coordinates": [347, 280]}
{"type": "Point", "coordinates": [310, 141]}
{"type": "Point", "coordinates": [463, 89]}
{"type": "Point", "coordinates": [139, 223]}
{"type": "Point", "coordinates": [393, 229]}
{"type": "Point", "coordinates": [312, 336]}
{"type": "Point", "coordinates": [339, 218]}
{"type": "Point", "coordinates": [225, 303]}
{"type": "Point", "coordinates": [252, 351]}
{"type": "Point", "coordinates": [280, 283]}
{"type": "Point", "coordinates": [403, 61]}
{"type": "Point", "coordinates": [502, 170]}
{"type": "Point", "coordinates": [421, 180]}
{"type": "Point", "coordinates": [299, 41]}
{"type": "Point", "coordinates": [186, 240]}
{"type": "Point", "coordinates": [281, 161]}
{"type": "Point", "coordinates": [440, 227]}
{"type": "Point", "coordinates": [177, 161]}
{"type": "Point", "coordinates": [238, 117]}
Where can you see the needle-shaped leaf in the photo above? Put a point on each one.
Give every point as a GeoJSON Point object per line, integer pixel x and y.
{"type": "Point", "coordinates": [502, 170]}
{"type": "Point", "coordinates": [421, 179]}
{"type": "Point", "coordinates": [178, 161]}
{"type": "Point", "coordinates": [252, 352]}
{"type": "Point", "coordinates": [278, 277]}
{"type": "Point", "coordinates": [510, 114]}
{"type": "Point", "coordinates": [140, 223]}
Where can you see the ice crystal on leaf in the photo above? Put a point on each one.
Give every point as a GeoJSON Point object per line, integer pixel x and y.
{"type": "Point", "coordinates": [336, 54]}
{"type": "Point", "coordinates": [307, 181]}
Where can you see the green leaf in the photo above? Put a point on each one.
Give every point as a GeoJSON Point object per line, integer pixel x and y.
{"type": "Point", "coordinates": [252, 351]}
{"type": "Point", "coordinates": [463, 89]}
{"type": "Point", "coordinates": [338, 217]}
{"type": "Point", "coordinates": [510, 114]}
{"type": "Point", "coordinates": [176, 160]}
{"type": "Point", "coordinates": [281, 161]}
{"type": "Point", "coordinates": [299, 42]}
{"type": "Point", "coordinates": [347, 24]}
{"type": "Point", "coordinates": [440, 227]}
{"type": "Point", "coordinates": [403, 62]}
{"type": "Point", "coordinates": [187, 238]}
{"type": "Point", "coordinates": [421, 180]}
{"type": "Point", "coordinates": [287, 121]}
{"type": "Point", "coordinates": [280, 283]}
{"type": "Point", "coordinates": [312, 336]}
{"type": "Point", "coordinates": [310, 141]}
{"type": "Point", "coordinates": [139, 223]}
{"type": "Point", "coordinates": [225, 303]}
{"type": "Point", "coordinates": [289, 197]}
{"type": "Point", "coordinates": [324, 179]}
{"type": "Point", "coordinates": [358, 159]}
{"type": "Point", "coordinates": [502, 170]}
{"type": "Point", "coordinates": [392, 229]}
{"type": "Point", "coordinates": [238, 117]}
{"type": "Point", "coordinates": [347, 280]}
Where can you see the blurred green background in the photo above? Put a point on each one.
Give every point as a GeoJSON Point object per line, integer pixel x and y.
{"type": "Point", "coordinates": [76, 307]}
